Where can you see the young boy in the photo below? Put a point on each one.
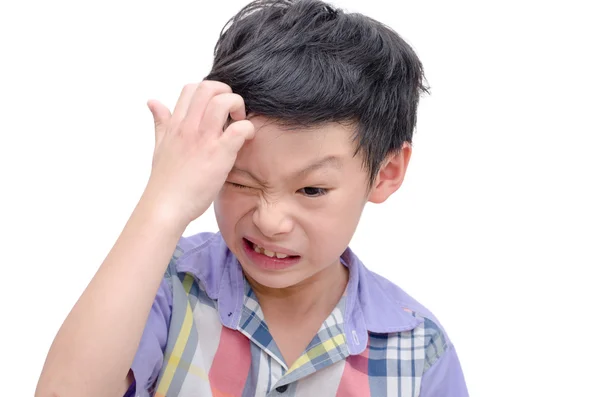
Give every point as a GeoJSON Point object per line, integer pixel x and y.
{"type": "Point", "coordinates": [306, 116]}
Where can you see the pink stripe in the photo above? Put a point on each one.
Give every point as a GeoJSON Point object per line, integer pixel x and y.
{"type": "Point", "coordinates": [231, 365]}
{"type": "Point", "coordinates": [355, 379]}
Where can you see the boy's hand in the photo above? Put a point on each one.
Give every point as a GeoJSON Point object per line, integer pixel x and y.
{"type": "Point", "coordinates": [193, 155]}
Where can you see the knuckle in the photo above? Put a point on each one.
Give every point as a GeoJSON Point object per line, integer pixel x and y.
{"type": "Point", "coordinates": [241, 128]}
{"type": "Point", "coordinates": [243, 125]}
{"type": "Point", "coordinates": [215, 87]}
{"type": "Point", "coordinates": [234, 128]}
{"type": "Point", "coordinates": [238, 98]}
{"type": "Point", "coordinates": [218, 100]}
{"type": "Point", "coordinates": [189, 87]}
{"type": "Point", "coordinates": [227, 100]}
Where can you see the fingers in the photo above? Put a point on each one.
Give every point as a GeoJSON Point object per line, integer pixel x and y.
{"type": "Point", "coordinates": [205, 108]}
{"type": "Point", "coordinates": [161, 116]}
{"type": "Point", "coordinates": [183, 102]}
{"type": "Point", "coordinates": [218, 110]}
{"type": "Point", "coordinates": [237, 134]}
{"type": "Point", "coordinates": [203, 94]}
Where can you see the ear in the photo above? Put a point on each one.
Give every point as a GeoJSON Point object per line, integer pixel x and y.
{"type": "Point", "coordinates": [391, 175]}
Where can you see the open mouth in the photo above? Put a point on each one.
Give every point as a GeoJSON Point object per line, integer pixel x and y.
{"type": "Point", "coordinates": [265, 252]}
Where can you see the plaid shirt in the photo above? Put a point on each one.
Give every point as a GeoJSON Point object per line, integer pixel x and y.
{"type": "Point", "coordinates": [206, 336]}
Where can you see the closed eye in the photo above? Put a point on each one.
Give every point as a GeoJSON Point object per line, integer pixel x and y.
{"type": "Point", "coordinates": [237, 185]}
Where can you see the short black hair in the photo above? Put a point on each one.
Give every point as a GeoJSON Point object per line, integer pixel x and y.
{"type": "Point", "coordinates": [305, 62]}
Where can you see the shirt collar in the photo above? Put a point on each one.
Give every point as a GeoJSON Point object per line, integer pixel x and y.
{"type": "Point", "coordinates": [373, 304]}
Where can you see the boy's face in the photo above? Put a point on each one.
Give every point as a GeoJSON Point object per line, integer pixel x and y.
{"type": "Point", "coordinates": [296, 192]}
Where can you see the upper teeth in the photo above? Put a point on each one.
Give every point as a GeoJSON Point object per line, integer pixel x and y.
{"type": "Point", "coordinates": [268, 253]}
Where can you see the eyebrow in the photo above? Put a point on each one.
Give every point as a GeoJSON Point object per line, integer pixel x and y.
{"type": "Point", "coordinates": [329, 161]}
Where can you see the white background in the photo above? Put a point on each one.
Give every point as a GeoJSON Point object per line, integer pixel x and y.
{"type": "Point", "coordinates": [496, 228]}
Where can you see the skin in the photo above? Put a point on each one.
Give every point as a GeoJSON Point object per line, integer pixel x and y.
{"type": "Point", "coordinates": [303, 190]}
{"type": "Point", "coordinates": [193, 157]}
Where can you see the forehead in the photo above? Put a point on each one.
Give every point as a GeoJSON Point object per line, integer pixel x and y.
{"type": "Point", "coordinates": [280, 152]}
{"type": "Point", "coordinates": [273, 139]}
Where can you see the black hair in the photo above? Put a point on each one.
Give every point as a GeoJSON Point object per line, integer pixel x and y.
{"type": "Point", "coordinates": [304, 62]}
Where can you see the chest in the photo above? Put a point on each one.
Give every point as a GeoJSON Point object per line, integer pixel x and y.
{"type": "Point", "coordinates": [217, 361]}
{"type": "Point", "coordinates": [205, 358]}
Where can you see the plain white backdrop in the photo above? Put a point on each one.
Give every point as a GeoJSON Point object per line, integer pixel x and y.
{"type": "Point", "coordinates": [496, 228]}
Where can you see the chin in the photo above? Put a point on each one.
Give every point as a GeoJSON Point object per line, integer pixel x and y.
{"type": "Point", "coordinates": [268, 279]}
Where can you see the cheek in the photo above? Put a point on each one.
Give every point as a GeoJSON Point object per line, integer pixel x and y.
{"type": "Point", "coordinates": [230, 207]}
{"type": "Point", "coordinates": [342, 211]}
{"type": "Point", "coordinates": [331, 228]}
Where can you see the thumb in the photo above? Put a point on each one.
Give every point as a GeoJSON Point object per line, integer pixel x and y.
{"type": "Point", "coordinates": [161, 115]}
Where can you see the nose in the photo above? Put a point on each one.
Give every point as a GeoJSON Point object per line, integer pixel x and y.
{"type": "Point", "coordinates": [271, 219]}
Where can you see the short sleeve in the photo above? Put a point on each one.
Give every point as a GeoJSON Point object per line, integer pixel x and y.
{"type": "Point", "coordinates": [149, 356]}
{"type": "Point", "coordinates": [445, 377]}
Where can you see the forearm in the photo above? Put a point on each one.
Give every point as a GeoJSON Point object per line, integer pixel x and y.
{"type": "Point", "coordinates": [93, 350]}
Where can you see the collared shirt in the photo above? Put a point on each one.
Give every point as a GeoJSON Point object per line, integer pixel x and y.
{"type": "Point", "coordinates": [206, 336]}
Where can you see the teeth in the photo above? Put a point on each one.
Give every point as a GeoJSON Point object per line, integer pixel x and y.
{"type": "Point", "coordinates": [268, 253]}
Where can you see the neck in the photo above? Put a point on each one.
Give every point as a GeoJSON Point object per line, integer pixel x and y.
{"type": "Point", "coordinates": [322, 290]}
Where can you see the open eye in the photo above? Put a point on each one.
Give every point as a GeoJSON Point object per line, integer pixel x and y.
{"type": "Point", "coordinates": [313, 191]}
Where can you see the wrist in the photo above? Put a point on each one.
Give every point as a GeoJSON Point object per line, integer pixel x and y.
{"type": "Point", "coordinates": [156, 211]}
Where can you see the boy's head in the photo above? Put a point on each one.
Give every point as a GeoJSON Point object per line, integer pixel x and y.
{"type": "Point", "coordinates": [332, 92]}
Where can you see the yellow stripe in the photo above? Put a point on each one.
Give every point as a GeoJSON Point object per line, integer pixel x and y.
{"type": "Point", "coordinates": [184, 334]}
{"type": "Point", "coordinates": [324, 347]}
{"type": "Point", "coordinates": [199, 372]}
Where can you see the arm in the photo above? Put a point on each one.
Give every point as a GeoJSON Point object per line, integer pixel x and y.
{"type": "Point", "coordinates": [94, 349]}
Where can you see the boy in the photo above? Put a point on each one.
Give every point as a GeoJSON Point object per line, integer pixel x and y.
{"type": "Point", "coordinates": [306, 116]}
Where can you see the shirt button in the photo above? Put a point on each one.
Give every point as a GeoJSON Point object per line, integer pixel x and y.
{"type": "Point", "coordinates": [282, 389]}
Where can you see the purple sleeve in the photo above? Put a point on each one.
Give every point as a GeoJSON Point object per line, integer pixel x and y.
{"type": "Point", "coordinates": [445, 377]}
{"type": "Point", "coordinates": [149, 357]}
